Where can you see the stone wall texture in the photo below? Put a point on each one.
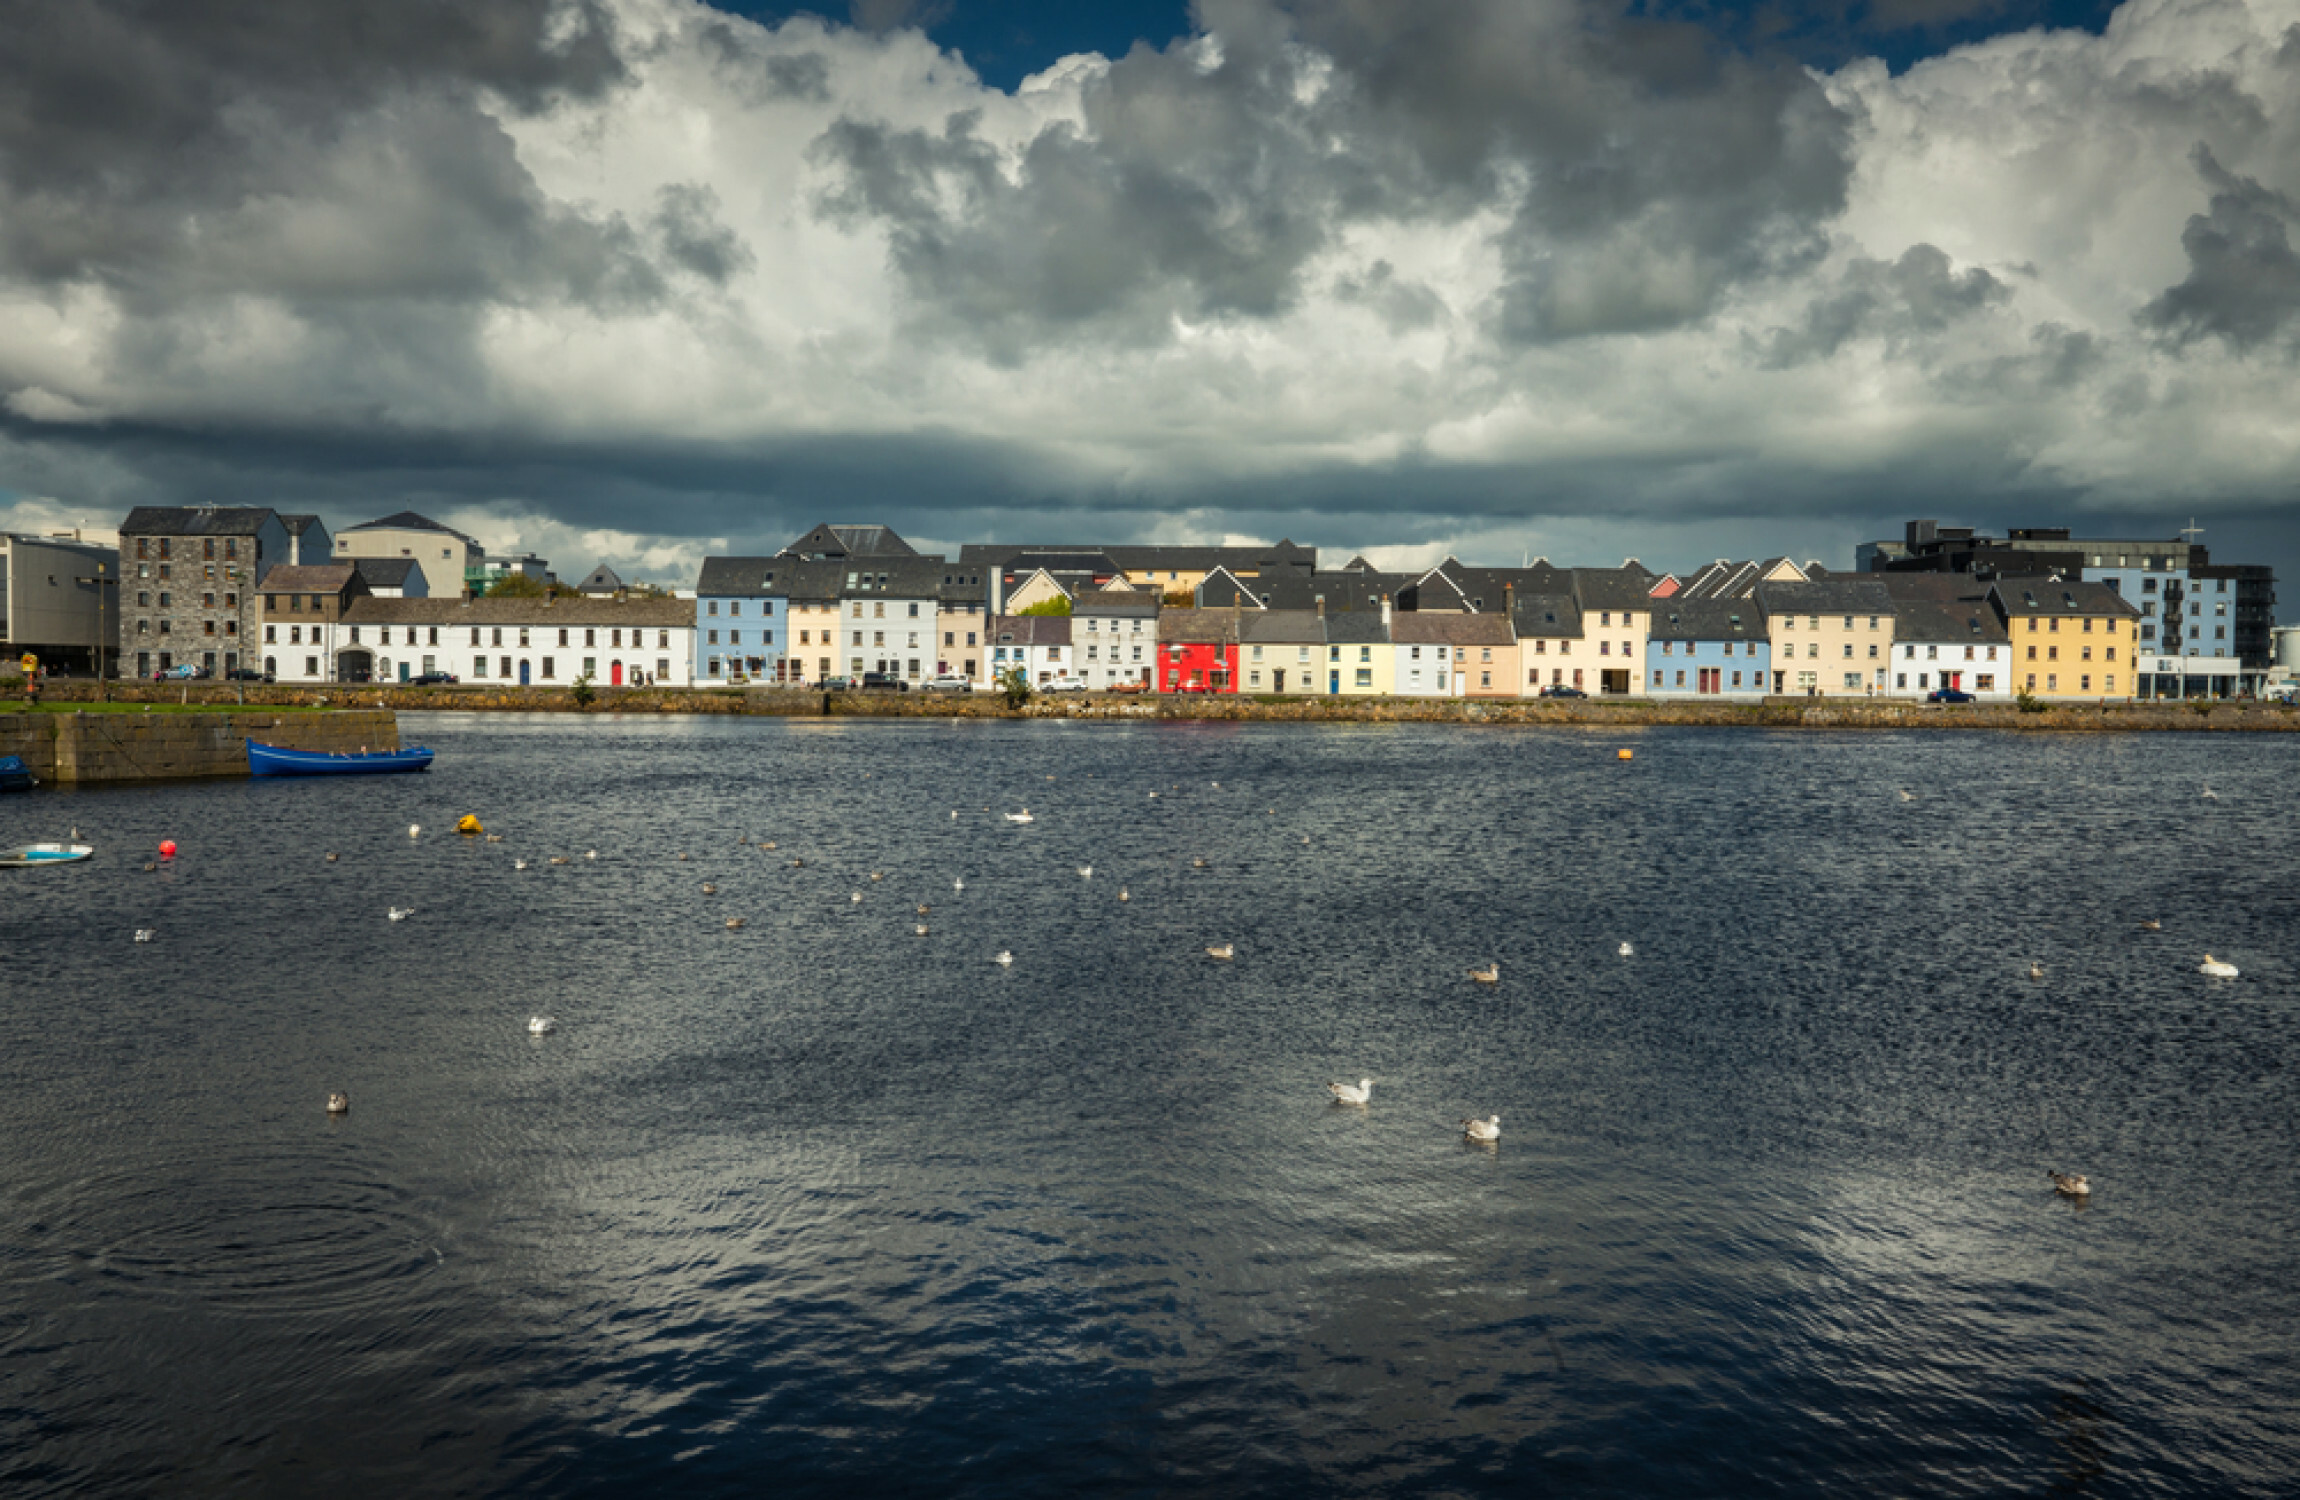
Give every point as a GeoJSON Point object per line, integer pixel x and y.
{"type": "Point", "coordinates": [1778, 713]}
{"type": "Point", "coordinates": [65, 747]}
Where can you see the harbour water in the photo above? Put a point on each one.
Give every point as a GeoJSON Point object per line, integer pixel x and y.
{"type": "Point", "coordinates": [823, 1206]}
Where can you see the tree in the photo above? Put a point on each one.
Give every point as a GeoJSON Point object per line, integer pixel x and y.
{"type": "Point", "coordinates": [517, 586]}
{"type": "Point", "coordinates": [1015, 683]}
{"type": "Point", "coordinates": [1058, 605]}
{"type": "Point", "coordinates": [1181, 599]}
{"type": "Point", "coordinates": [584, 692]}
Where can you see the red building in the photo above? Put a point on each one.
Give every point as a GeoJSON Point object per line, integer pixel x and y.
{"type": "Point", "coordinates": [1198, 651]}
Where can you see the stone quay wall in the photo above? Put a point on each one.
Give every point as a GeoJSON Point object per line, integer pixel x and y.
{"type": "Point", "coordinates": [80, 748]}
{"type": "Point", "coordinates": [1624, 713]}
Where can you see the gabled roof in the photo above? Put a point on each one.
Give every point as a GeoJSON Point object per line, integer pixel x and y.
{"type": "Point", "coordinates": [827, 542]}
{"type": "Point", "coordinates": [1738, 580]}
{"type": "Point", "coordinates": [375, 572]}
{"type": "Point", "coordinates": [1356, 627]}
{"type": "Point", "coordinates": [1435, 590]}
{"type": "Point", "coordinates": [2041, 596]}
{"type": "Point", "coordinates": [408, 520]}
{"type": "Point", "coordinates": [1852, 594]}
{"type": "Point", "coordinates": [311, 578]}
{"type": "Point", "coordinates": [1200, 626]}
{"type": "Point", "coordinates": [196, 520]}
{"type": "Point", "coordinates": [1143, 603]}
{"type": "Point", "coordinates": [565, 609]}
{"type": "Point", "coordinates": [1683, 619]}
{"type": "Point", "coordinates": [1423, 628]}
{"type": "Point", "coordinates": [1030, 630]}
{"type": "Point", "coordinates": [1283, 627]}
{"type": "Point", "coordinates": [601, 580]}
{"type": "Point", "coordinates": [1549, 616]}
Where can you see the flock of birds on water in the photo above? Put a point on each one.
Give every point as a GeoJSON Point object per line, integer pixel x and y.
{"type": "Point", "coordinates": [1485, 1132]}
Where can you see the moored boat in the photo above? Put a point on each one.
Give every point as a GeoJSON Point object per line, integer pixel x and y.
{"type": "Point", "coordinates": [15, 776]}
{"type": "Point", "coordinates": [273, 760]}
{"type": "Point", "coordinates": [44, 854]}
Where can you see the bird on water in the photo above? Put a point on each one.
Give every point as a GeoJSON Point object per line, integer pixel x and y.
{"type": "Point", "coordinates": [1227, 950]}
{"type": "Point", "coordinates": [1487, 1129]}
{"type": "Point", "coordinates": [2069, 1184]}
{"type": "Point", "coordinates": [541, 1025]}
{"type": "Point", "coordinates": [2152, 925]}
{"type": "Point", "coordinates": [145, 934]}
{"type": "Point", "coordinates": [1626, 951]}
{"type": "Point", "coordinates": [734, 924]}
{"type": "Point", "coordinates": [400, 913]}
{"type": "Point", "coordinates": [414, 831]}
{"type": "Point", "coordinates": [1005, 960]}
{"type": "Point", "coordinates": [1021, 817]}
{"type": "Point", "coordinates": [339, 1104]}
{"type": "Point", "coordinates": [1490, 974]}
{"type": "Point", "coordinates": [1352, 1093]}
{"type": "Point", "coordinates": [2216, 968]}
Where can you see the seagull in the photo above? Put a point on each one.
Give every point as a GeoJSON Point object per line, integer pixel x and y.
{"type": "Point", "coordinates": [1217, 786]}
{"type": "Point", "coordinates": [1305, 839]}
{"type": "Point", "coordinates": [682, 859]}
{"type": "Point", "coordinates": [145, 934]}
{"type": "Point", "coordinates": [1122, 894]}
{"type": "Point", "coordinates": [400, 913]}
{"type": "Point", "coordinates": [331, 859]}
{"type": "Point", "coordinates": [339, 1104]}
{"type": "Point", "coordinates": [495, 838]}
{"type": "Point", "coordinates": [1153, 796]}
{"type": "Point", "coordinates": [920, 929]}
{"type": "Point", "coordinates": [710, 889]}
{"type": "Point", "coordinates": [1085, 872]}
{"type": "Point", "coordinates": [2036, 971]}
{"type": "Point", "coordinates": [954, 815]}
{"type": "Point", "coordinates": [558, 859]}
{"type": "Point", "coordinates": [734, 924]}
{"type": "Point", "coordinates": [1490, 974]}
{"type": "Point", "coordinates": [1626, 951]}
{"type": "Point", "coordinates": [540, 1025]}
{"type": "Point", "coordinates": [1357, 1093]}
{"type": "Point", "coordinates": [594, 854]}
{"type": "Point", "coordinates": [414, 831]}
{"type": "Point", "coordinates": [958, 884]}
{"type": "Point", "coordinates": [1908, 796]}
{"type": "Point", "coordinates": [875, 875]}
{"type": "Point", "coordinates": [769, 844]}
{"type": "Point", "coordinates": [519, 864]}
{"type": "Point", "coordinates": [2069, 1184]}
{"type": "Point", "coordinates": [1004, 959]}
{"type": "Point", "coordinates": [2152, 926]}
{"type": "Point", "coordinates": [2216, 968]}
{"type": "Point", "coordinates": [922, 908]}
{"type": "Point", "coordinates": [1487, 1129]}
{"type": "Point", "coordinates": [1225, 951]}
{"type": "Point", "coordinates": [1198, 864]}
{"type": "Point", "coordinates": [855, 899]}
{"type": "Point", "coordinates": [2209, 794]}
{"type": "Point", "coordinates": [1021, 817]}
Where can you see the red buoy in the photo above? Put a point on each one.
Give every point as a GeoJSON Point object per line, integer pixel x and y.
{"type": "Point", "coordinates": [167, 848]}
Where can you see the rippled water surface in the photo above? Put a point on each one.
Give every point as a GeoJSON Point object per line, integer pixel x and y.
{"type": "Point", "coordinates": [825, 1206]}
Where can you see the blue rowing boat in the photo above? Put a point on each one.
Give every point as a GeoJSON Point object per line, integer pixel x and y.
{"type": "Point", "coordinates": [272, 760]}
{"type": "Point", "coordinates": [15, 776]}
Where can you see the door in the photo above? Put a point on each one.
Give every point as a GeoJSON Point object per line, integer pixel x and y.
{"type": "Point", "coordinates": [522, 671]}
{"type": "Point", "coordinates": [404, 673]}
{"type": "Point", "coordinates": [1277, 679]}
{"type": "Point", "coordinates": [614, 675]}
{"type": "Point", "coordinates": [1334, 683]}
{"type": "Point", "coordinates": [1708, 682]}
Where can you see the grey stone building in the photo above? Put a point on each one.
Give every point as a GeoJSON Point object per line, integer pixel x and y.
{"type": "Point", "coordinates": [188, 582]}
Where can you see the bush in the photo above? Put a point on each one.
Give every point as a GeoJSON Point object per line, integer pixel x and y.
{"type": "Point", "coordinates": [585, 693]}
{"type": "Point", "coordinates": [1059, 605]}
{"type": "Point", "coordinates": [2029, 703]}
{"type": "Point", "coordinates": [1015, 683]}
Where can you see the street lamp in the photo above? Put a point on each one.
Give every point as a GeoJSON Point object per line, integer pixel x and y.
{"type": "Point", "coordinates": [103, 629]}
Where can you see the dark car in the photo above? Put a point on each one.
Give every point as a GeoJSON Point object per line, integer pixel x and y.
{"type": "Point", "coordinates": [1563, 692]}
{"type": "Point", "coordinates": [247, 674]}
{"type": "Point", "coordinates": [1949, 695]}
{"type": "Point", "coordinates": [883, 682]}
{"type": "Point", "coordinates": [433, 679]}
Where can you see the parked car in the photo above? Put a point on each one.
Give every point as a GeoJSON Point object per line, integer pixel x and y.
{"type": "Point", "coordinates": [949, 683]}
{"type": "Point", "coordinates": [433, 679]}
{"type": "Point", "coordinates": [1949, 695]}
{"type": "Point", "coordinates": [1065, 683]}
{"type": "Point", "coordinates": [1561, 691]}
{"type": "Point", "coordinates": [247, 674]}
{"type": "Point", "coordinates": [1136, 686]}
{"type": "Point", "coordinates": [883, 682]}
{"type": "Point", "coordinates": [187, 672]}
{"type": "Point", "coordinates": [837, 684]}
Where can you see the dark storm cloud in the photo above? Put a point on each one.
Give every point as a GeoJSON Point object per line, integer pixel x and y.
{"type": "Point", "coordinates": [2243, 280]}
{"type": "Point", "coordinates": [1918, 295]}
{"type": "Point", "coordinates": [1644, 172]}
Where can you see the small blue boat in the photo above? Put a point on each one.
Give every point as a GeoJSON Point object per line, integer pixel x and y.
{"type": "Point", "coordinates": [15, 776]}
{"type": "Point", "coordinates": [272, 760]}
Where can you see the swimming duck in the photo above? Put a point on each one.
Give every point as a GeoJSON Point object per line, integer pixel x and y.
{"type": "Point", "coordinates": [150, 866]}
{"type": "Point", "coordinates": [920, 929]}
{"type": "Point", "coordinates": [855, 899]}
{"type": "Point", "coordinates": [2069, 1184]}
{"type": "Point", "coordinates": [1153, 796]}
{"type": "Point", "coordinates": [1487, 1129]}
{"type": "Point", "coordinates": [594, 854]}
{"type": "Point", "coordinates": [1490, 974]}
{"type": "Point", "coordinates": [2036, 971]}
{"type": "Point", "coordinates": [339, 1104]}
{"type": "Point", "coordinates": [145, 934]}
{"type": "Point", "coordinates": [682, 859]}
{"type": "Point", "coordinates": [331, 859]}
{"type": "Point", "coordinates": [495, 838]}
{"type": "Point", "coordinates": [1357, 1093]}
{"type": "Point", "coordinates": [1085, 872]}
{"type": "Point", "coordinates": [1197, 864]}
{"type": "Point", "coordinates": [558, 859]}
{"type": "Point", "coordinates": [400, 913]}
{"type": "Point", "coordinates": [710, 889]}
{"type": "Point", "coordinates": [2216, 968]}
{"type": "Point", "coordinates": [1122, 894]}
{"type": "Point", "coordinates": [734, 924]}
{"type": "Point", "coordinates": [519, 864]}
{"type": "Point", "coordinates": [414, 831]}
{"type": "Point", "coordinates": [1004, 959]}
{"type": "Point", "coordinates": [540, 1025]}
{"type": "Point", "coordinates": [769, 844]}
{"type": "Point", "coordinates": [922, 908]}
{"type": "Point", "coordinates": [798, 864]}
{"type": "Point", "coordinates": [1225, 951]}
{"type": "Point", "coordinates": [875, 875]}
{"type": "Point", "coordinates": [1626, 951]}
{"type": "Point", "coordinates": [2152, 926]}
{"type": "Point", "coordinates": [1021, 817]}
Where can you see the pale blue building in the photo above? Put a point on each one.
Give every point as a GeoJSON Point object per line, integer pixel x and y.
{"type": "Point", "coordinates": [1707, 648]}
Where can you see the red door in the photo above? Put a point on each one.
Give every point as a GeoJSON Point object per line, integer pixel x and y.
{"type": "Point", "coordinates": [1708, 683]}
{"type": "Point", "coordinates": [615, 675]}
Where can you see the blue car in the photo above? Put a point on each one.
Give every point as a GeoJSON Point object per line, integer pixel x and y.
{"type": "Point", "coordinates": [1949, 695]}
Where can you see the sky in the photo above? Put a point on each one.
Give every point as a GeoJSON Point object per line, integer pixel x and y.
{"type": "Point", "coordinates": [637, 281]}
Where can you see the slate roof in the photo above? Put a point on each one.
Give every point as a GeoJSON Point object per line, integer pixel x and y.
{"type": "Point", "coordinates": [2039, 596]}
{"type": "Point", "coordinates": [298, 525]}
{"type": "Point", "coordinates": [1548, 616]}
{"type": "Point", "coordinates": [1149, 558]}
{"type": "Point", "coordinates": [1356, 627]}
{"type": "Point", "coordinates": [1133, 602]}
{"type": "Point", "coordinates": [1283, 627]}
{"type": "Point", "coordinates": [1624, 588]}
{"type": "Point", "coordinates": [196, 520]}
{"type": "Point", "coordinates": [309, 578]}
{"type": "Point", "coordinates": [1963, 622]}
{"type": "Point", "coordinates": [1852, 594]}
{"type": "Point", "coordinates": [408, 520]}
{"type": "Point", "coordinates": [676, 614]}
{"type": "Point", "coordinates": [601, 580]}
{"type": "Point", "coordinates": [380, 572]}
{"type": "Point", "coordinates": [1683, 619]}
{"type": "Point", "coordinates": [1030, 630]}
{"type": "Point", "coordinates": [827, 542]}
{"type": "Point", "coordinates": [1200, 626]}
{"type": "Point", "coordinates": [1731, 580]}
{"type": "Point", "coordinates": [1424, 628]}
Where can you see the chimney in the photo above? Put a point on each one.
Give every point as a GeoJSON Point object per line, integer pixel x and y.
{"type": "Point", "coordinates": [1509, 599]}
{"type": "Point", "coordinates": [1385, 612]}
{"type": "Point", "coordinates": [1321, 606]}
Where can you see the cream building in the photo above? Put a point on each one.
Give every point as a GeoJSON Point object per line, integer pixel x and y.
{"type": "Point", "coordinates": [447, 557]}
{"type": "Point", "coordinates": [1831, 639]}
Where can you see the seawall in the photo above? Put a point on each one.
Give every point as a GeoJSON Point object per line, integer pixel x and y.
{"type": "Point", "coordinates": [65, 748]}
{"type": "Point", "coordinates": [1776, 713]}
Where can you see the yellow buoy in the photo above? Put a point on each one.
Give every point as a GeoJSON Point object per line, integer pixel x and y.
{"type": "Point", "coordinates": [468, 824]}
{"type": "Point", "coordinates": [1623, 754]}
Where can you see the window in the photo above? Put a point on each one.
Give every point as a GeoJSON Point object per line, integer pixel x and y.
{"type": "Point", "coordinates": [914, 611]}
{"type": "Point", "coordinates": [522, 638]}
{"type": "Point", "coordinates": [497, 638]}
{"type": "Point", "coordinates": [713, 607]}
{"type": "Point", "coordinates": [311, 666]}
{"type": "Point", "coordinates": [549, 671]}
{"type": "Point", "coordinates": [434, 638]}
{"type": "Point", "coordinates": [712, 638]}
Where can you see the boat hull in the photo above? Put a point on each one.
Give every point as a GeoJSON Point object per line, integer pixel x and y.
{"type": "Point", "coordinates": [44, 854]}
{"type": "Point", "coordinates": [272, 760]}
{"type": "Point", "coordinates": [15, 776]}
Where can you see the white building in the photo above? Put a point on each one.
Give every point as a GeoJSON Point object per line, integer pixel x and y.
{"type": "Point", "coordinates": [1958, 644]}
{"type": "Point", "coordinates": [1039, 644]}
{"type": "Point", "coordinates": [1114, 636]}
{"type": "Point", "coordinates": [522, 642]}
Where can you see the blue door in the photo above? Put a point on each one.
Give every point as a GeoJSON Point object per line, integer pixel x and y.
{"type": "Point", "coordinates": [523, 672]}
{"type": "Point", "coordinates": [403, 671]}
{"type": "Point", "coordinates": [1334, 683]}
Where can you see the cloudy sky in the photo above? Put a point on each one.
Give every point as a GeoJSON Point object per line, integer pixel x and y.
{"type": "Point", "coordinates": [637, 280]}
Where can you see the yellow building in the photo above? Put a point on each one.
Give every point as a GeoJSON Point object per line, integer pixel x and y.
{"type": "Point", "coordinates": [2069, 640]}
{"type": "Point", "coordinates": [1832, 638]}
{"type": "Point", "coordinates": [1359, 662]}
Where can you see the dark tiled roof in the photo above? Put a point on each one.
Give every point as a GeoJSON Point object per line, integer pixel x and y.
{"type": "Point", "coordinates": [407, 520]}
{"type": "Point", "coordinates": [310, 578]}
{"type": "Point", "coordinates": [196, 520]}
{"type": "Point", "coordinates": [1424, 628]}
{"type": "Point", "coordinates": [1853, 594]}
{"type": "Point", "coordinates": [828, 541]}
{"type": "Point", "coordinates": [1283, 627]}
{"type": "Point", "coordinates": [1356, 627]}
{"type": "Point", "coordinates": [564, 610]}
{"type": "Point", "coordinates": [1682, 619]}
{"type": "Point", "coordinates": [1941, 621]}
{"type": "Point", "coordinates": [1551, 616]}
{"type": "Point", "coordinates": [601, 580]}
{"type": "Point", "coordinates": [380, 572]}
{"type": "Point", "coordinates": [1030, 630]}
{"type": "Point", "coordinates": [2041, 596]}
{"type": "Point", "coordinates": [1142, 602]}
{"type": "Point", "coordinates": [1629, 588]}
{"type": "Point", "coordinates": [743, 577]}
{"type": "Point", "coordinates": [1202, 626]}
